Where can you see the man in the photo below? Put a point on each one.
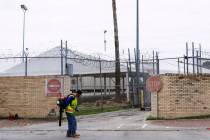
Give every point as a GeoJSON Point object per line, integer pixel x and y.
{"type": "Point", "coordinates": [71, 106]}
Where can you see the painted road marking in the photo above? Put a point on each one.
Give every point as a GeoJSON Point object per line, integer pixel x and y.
{"type": "Point", "coordinates": [145, 125]}
{"type": "Point", "coordinates": [120, 126]}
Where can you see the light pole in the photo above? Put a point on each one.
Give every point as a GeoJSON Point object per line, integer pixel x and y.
{"type": "Point", "coordinates": [105, 31]}
{"type": "Point", "coordinates": [24, 8]}
{"type": "Point", "coordinates": [26, 63]}
{"type": "Point", "coordinates": [137, 55]}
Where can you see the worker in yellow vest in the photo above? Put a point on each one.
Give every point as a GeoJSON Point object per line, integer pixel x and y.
{"type": "Point", "coordinates": [70, 108]}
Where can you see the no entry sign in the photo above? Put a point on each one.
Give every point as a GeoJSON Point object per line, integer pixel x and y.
{"type": "Point", "coordinates": [54, 87]}
{"type": "Point", "coordinates": [153, 84]}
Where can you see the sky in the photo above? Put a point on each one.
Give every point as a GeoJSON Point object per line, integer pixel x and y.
{"type": "Point", "coordinates": [165, 25]}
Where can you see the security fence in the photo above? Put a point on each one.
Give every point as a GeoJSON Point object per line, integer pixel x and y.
{"type": "Point", "coordinates": [96, 76]}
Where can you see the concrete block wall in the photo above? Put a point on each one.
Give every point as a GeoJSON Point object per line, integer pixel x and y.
{"type": "Point", "coordinates": [182, 96]}
{"type": "Point", "coordinates": [26, 97]}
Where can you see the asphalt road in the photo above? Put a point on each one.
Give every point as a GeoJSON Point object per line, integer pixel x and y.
{"type": "Point", "coordinates": [122, 125]}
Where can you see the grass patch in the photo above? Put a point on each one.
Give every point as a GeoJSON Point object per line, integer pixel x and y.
{"type": "Point", "coordinates": [180, 118]}
{"type": "Point", "coordinates": [90, 108]}
{"type": "Point", "coordinates": [196, 117]}
{"type": "Point", "coordinates": [154, 118]}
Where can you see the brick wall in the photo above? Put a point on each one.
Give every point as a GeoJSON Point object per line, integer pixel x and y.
{"type": "Point", "coordinates": [182, 96]}
{"type": "Point", "coordinates": [26, 96]}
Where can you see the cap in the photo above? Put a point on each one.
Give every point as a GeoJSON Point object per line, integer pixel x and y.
{"type": "Point", "coordinates": [79, 92]}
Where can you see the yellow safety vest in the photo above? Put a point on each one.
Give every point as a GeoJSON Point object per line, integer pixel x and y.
{"type": "Point", "coordinates": [71, 106]}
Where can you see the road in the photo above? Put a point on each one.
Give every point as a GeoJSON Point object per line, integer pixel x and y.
{"type": "Point", "coordinates": [120, 125]}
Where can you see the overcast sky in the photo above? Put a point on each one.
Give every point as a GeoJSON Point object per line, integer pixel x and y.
{"type": "Point", "coordinates": [165, 25]}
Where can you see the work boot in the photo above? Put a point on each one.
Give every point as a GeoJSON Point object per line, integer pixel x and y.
{"type": "Point", "coordinates": [76, 135]}
{"type": "Point", "coordinates": [68, 134]}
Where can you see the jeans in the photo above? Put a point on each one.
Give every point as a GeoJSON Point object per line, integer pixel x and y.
{"type": "Point", "coordinates": [72, 124]}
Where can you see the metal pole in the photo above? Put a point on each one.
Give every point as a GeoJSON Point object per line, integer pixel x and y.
{"type": "Point", "coordinates": [23, 55]}
{"type": "Point", "coordinates": [61, 57]}
{"type": "Point", "coordinates": [135, 56]}
{"type": "Point", "coordinates": [77, 82]}
{"type": "Point", "coordinates": [127, 85]}
{"type": "Point", "coordinates": [187, 57]}
{"type": "Point", "coordinates": [137, 53]}
{"type": "Point", "coordinates": [26, 61]}
{"type": "Point", "coordinates": [101, 83]}
{"type": "Point", "coordinates": [105, 88]}
{"type": "Point", "coordinates": [184, 64]}
{"type": "Point", "coordinates": [200, 58]}
{"type": "Point", "coordinates": [66, 55]}
{"type": "Point", "coordinates": [153, 61]}
{"type": "Point", "coordinates": [129, 60]}
{"type": "Point", "coordinates": [94, 82]}
{"type": "Point", "coordinates": [105, 31]}
{"type": "Point", "coordinates": [193, 47]}
{"type": "Point", "coordinates": [197, 63]}
{"type": "Point", "coordinates": [26, 66]}
{"type": "Point", "coordinates": [142, 63]}
{"type": "Point", "coordinates": [178, 66]}
{"type": "Point", "coordinates": [110, 86]}
{"type": "Point", "coordinates": [128, 71]}
{"type": "Point", "coordinates": [123, 85]}
{"type": "Point", "coordinates": [157, 61]}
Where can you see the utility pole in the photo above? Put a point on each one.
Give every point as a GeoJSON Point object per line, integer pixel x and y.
{"type": "Point", "coordinates": [137, 55]}
{"type": "Point", "coordinates": [117, 54]}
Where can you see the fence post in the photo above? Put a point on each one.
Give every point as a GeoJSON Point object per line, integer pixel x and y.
{"type": "Point", "coordinates": [153, 61]}
{"type": "Point", "coordinates": [26, 66]}
{"type": "Point", "coordinates": [66, 57]}
{"type": "Point", "coordinates": [178, 67]}
{"type": "Point", "coordinates": [193, 47]}
{"type": "Point", "coordinates": [61, 57]}
{"type": "Point", "coordinates": [187, 57]}
{"type": "Point", "coordinates": [142, 63]}
{"type": "Point", "coordinates": [197, 63]}
{"type": "Point", "coordinates": [200, 58]}
{"type": "Point", "coordinates": [157, 61]}
{"type": "Point", "coordinates": [184, 64]}
{"type": "Point", "coordinates": [105, 87]}
{"type": "Point", "coordinates": [94, 86]}
{"type": "Point", "coordinates": [101, 83]}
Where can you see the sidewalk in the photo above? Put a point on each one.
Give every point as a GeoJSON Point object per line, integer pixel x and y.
{"type": "Point", "coordinates": [182, 124]}
{"type": "Point", "coordinates": [126, 120]}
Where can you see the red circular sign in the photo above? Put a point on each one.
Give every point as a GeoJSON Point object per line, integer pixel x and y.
{"type": "Point", "coordinates": [153, 84]}
{"type": "Point", "coordinates": [53, 85]}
